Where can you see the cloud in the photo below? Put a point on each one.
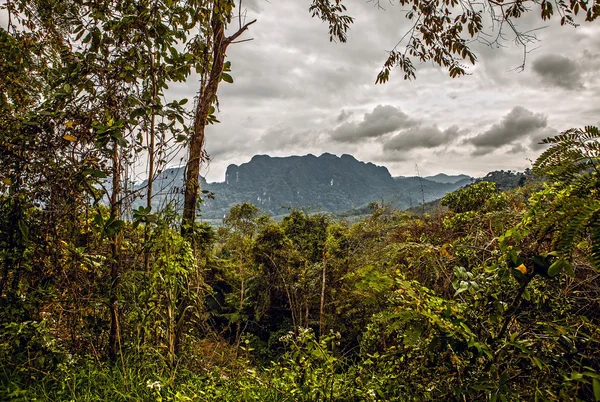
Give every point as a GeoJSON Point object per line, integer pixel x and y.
{"type": "Point", "coordinates": [519, 124]}
{"type": "Point", "coordinates": [422, 137]}
{"type": "Point", "coordinates": [285, 138]}
{"type": "Point", "coordinates": [558, 71]}
{"type": "Point", "coordinates": [384, 119]}
{"type": "Point", "coordinates": [590, 62]}
{"type": "Point", "coordinates": [536, 138]}
{"type": "Point", "coordinates": [291, 86]}
{"type": "Point", "coordinates": [343, 116]}
{"type": "Point", "coordinates": [253, 5]}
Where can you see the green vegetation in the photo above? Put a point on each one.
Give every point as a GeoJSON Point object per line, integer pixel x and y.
{"type": "Point", "coordinates": [494, 298]}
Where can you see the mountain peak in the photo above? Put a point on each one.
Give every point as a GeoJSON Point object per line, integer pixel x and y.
{"type": "Point", "coordinates": [327, 183]}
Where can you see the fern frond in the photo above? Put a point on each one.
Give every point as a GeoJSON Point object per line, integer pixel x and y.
{"type": "Point", "coordinates": [595, 241]}
{"type": "Point", "coordinates": [580, 215]}
{"type": "Point", "coordinates": [569, 209]}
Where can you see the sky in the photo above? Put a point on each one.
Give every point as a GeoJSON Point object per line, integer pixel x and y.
{"type": "Point", "coordinates": [296, 93]}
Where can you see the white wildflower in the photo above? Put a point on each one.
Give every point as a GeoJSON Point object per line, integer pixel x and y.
{"type": "Point", "coordinates": [153, 385]}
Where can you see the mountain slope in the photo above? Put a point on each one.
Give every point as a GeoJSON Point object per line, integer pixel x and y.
{"type": "Point", "coordinates": [327, 183]}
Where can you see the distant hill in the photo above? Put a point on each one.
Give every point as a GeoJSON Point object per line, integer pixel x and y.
{"type": "Point", "coordinates": [444, 178]}
{"type": "Point", "coordinates": [505, 180]}
{"type": "Point", "coordinates": [326, 183]}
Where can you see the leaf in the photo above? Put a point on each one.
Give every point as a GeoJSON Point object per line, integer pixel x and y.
{"type": "Point", "coordinates": [24, 229]}
{"type": "Point", "coordinates": [227, 78]}
{"type": "Point", "coordinates": [140, 111]}
{"type": "Point", "coordinates": [522, 268]}
{"type": "Point", "coordinates": [69, 124]}
{"type": "Point", "coordinates": [596, 387]}
{"type": "Point", "coordinates": [7, 181]}
{"type": "Point", "coordinates": [95, 173]}
{"type": "Point", "coordinates": [555, 268]}
{"type": "Point", "coordinates": [576, 376]}
{"type": "Point", "coordinates": [98, 220]}
{"type": "Point", "coordinates": [69, 137]}
{"type": "Point", "coordinates": [583, 245]}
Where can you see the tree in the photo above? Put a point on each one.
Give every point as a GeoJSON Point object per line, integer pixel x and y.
{"type": "Point", "coordinates": [241, 225]}
{"type": "Point", "coordinates": [443, 31]}
{"type": "Point", "coordinates": [86, 108]}
{"type": "Point", "coordinates": [212, 45]}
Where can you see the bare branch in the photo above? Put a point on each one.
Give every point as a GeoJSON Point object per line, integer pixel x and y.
{"type": "Point", "coordinates": [236, 35]}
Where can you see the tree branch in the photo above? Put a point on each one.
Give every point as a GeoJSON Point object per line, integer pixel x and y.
{"type": "Point", "coordinates": [238, 33]}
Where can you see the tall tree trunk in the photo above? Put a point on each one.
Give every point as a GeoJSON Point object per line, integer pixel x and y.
{"type": "Point", "coordinates": [239, 323]}
{"type": "Point", "coordinates": [113, 336]}
{"type": "Point", "coordinates": [151, 146]}
{"type": "Point", "coordinates": [208, 93]}
{"type": "Point", "coordinates": [322, 307]}
{"type": "Point", "coordinates": [306, 310]}
{"type": "Point", "coordinates": [206, 98]}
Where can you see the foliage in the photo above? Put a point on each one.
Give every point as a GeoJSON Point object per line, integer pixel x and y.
{"type": "Point", "coordinates": [495, 299]}
{"type": "Point", "coordinates": [473, 198]}
{"type": "Point", "coordinates": [443, 31]}
{"type": "Point", "coordinates": [568, 210]}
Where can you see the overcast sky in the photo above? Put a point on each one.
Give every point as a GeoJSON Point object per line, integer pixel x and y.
{"type": "Point", "coordinates": [297, 93]}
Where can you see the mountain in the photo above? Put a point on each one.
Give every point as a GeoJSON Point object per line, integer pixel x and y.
{"type": "Point", "coordinates": [444, 178]}
{"type": "Point", "coordinates": [326, 183]}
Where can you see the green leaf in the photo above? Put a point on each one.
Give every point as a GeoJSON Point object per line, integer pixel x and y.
{"type": "Point", "coordinates": [98, 220]}
{"type": "Point", "coordinates": [24, 229]}
{"type": "Point", "coordinates": [140, 111]}
{"type": "Point", "coordinates": [99, 174]}
{"type": "Point", "coordinates": [555, 268]}
{"type": "Point", "coordinates": [576, 376]}
{"type": "Point", "coordinates": [596, 387]}
{"type": "Point", "coordinates": [227, 78]}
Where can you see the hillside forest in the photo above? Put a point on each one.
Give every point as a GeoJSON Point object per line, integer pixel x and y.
{"type": "Point", "coordinates": [491, 294]}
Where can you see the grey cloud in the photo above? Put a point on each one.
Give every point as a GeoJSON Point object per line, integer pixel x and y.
{"type": "Point", "coordinates": [253, 5]}
{"type": "Point", "coordinates": [559, 71]}
{"type": "Point", "coordinates": [590, 61]}
{"type": "Point", "coordinates": [537, 137]}
{"type": "Point", "coordinates": [384, 119]}
{"type": "Point", "coordinates": [422, 137]}
{"type": "Point", "coordinates": [294, 84]}
{"type": "Point", "coordinates": [283, 138]}
{"type": "Point", "coordinates": [519, 124]}
{"type": "Point", "coordinates": [343, 116]}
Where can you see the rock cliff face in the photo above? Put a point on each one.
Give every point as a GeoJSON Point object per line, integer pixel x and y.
{"type": "Point", "coordinates": [326, 183]}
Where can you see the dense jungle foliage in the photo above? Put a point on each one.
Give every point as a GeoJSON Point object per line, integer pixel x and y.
{"type": "Point", "coordinates": [493, 296]}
